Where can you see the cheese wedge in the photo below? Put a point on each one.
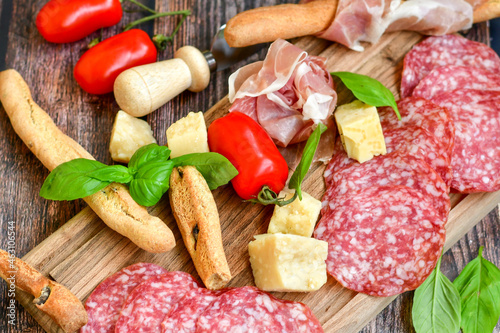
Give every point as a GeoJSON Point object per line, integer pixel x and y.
{"type": "Point", "coordinates": [360, 130]}
{"type": "Point", "coordinates": [128, 135]}
{"type": "Point", "coordinates": [288, 262]}
{"type": "Point", "coordinates": [297, 218]}
{"type": "Point", "coordinates": [188, 135]}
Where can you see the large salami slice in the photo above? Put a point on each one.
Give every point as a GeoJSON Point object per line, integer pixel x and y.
{"type": "Point", "coordinates": [382, 241]}
{"type": "Point", "coordinates": [448, 78]}
{"type": "Point", "coordinates": [393, 169]}
{"type": "Point", "coordinates": [296, 317]}
{"type": "Point", "coordinates": [148, 304]}
{"type": "Point", "coordinates": [426, 114]}
{"type": "Point", "coordinates": [104, 304]}
{"type": "Point", "coordinates": [185, 313]}
{"type": "Point", "coordinates": [442, 51]}
{"type": "Point", "coordinates": [476, 157]}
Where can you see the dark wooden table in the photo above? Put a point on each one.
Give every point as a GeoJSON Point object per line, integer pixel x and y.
{"type": "Point", "coordinates": [48, 69]}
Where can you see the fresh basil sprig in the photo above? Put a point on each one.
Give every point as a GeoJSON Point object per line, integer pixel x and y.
{"type": "Point", "coordinates": [479, 288]}
{"type": "Point", "coordinates": [368, 90]}
{"type": "Point", "coordinates": [148, 175]}
{"type": "Point", "coordinates": [436, 305]}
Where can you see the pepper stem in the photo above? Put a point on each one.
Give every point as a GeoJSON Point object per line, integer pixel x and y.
{"type": "Point", "coordinates": [267, 196]}
{"type": "Point", "coordinates": [154, 16]}
{"type": "Point", "coordinates": [146, 8]}
{"type": "Point", "coordinates": [160, 40]}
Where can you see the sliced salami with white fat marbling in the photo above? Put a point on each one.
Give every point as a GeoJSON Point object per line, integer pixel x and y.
{"type": "Point", "coordinates": [476, 156]}
{"type": "Point", "coordinates": [382, 241]}
{"type": "Point", "coordinates": [148, 304]}
{"type": "Point", "coordinates": [448, 78]}
{"type": "Point", "coordinates": [104, 304]}
{"type": "Point", "coordinates": [444, 50]}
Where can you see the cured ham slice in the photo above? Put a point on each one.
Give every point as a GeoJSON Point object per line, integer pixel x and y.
{"type": "Point", "coordinates": [287, 93]}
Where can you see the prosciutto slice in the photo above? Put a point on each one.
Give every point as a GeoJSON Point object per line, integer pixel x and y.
{"type": "Point", "coordinates": [287, 94]}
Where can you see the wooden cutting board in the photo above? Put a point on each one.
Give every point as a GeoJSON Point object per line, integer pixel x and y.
{"type": "Point", "coordinates": [85, 251]}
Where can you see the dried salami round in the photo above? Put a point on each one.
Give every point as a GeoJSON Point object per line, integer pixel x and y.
{"type": "Point", "coordinates": [382, 241]}
{"type": "Point", "coordinates": [448, 78]}
{"type": "Point", "coordinates": [296, 317]}
{"type": "Point", "coordinates": [149, 302]}
{"type": "Point", "coordinates": [184, 314]}
{"type": "Point", "coordinates": [104, 304]}
{"type": "Point", "coordinates": [445, 50]}
{"type": "Point", "coordinates": [476, 156]}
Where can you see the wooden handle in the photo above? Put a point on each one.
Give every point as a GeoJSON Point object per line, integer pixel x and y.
{"type": "Point", "coordinates": [143, 89]}
{"type": "Point", "coordinates": [266, 24]}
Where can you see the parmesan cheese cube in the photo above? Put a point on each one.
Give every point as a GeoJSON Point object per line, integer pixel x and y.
{"type": "Point", "coordinates": [128, 135]}
{"type": "Point", "coordinates": [360, 130]}
{"type": "Point", "coordinates": [188, 135]}
{"type": "Point", "coordinates": [297, 218]}
{"type": "Point", "coordinates": [288, 262]}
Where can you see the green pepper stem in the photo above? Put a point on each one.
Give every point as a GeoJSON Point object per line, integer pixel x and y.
{"type": "Point", "coordinates": [267, 196]}
{"type": "Point", "coordinates": [146, 8]}
{"type": "Point", "coordinates": [152, 17]}
{"type": "Point", "coordinates": [161, 40]}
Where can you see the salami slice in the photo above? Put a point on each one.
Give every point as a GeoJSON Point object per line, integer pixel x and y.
{"type": "Point", "coordinates": [104, 304]}
{"type": "Point", "coordinates": [382, 241]}
{"type": "Point", "coordinates": [426, 114]}
{"type": "Point", "coordinates": [148, 304]}
{"type": "Point", "coordinates": [394, 169]}
{"type": "Point", "coordinates": [296, 317]}
{"type": "Point", "coordinates": [185, 313]}
{"type": "Point", "coordinates": [445, 50]}
{"type": "Point", "coordinates": [448, 78]}
{"type": "Point", "coordinates": [476, 157]}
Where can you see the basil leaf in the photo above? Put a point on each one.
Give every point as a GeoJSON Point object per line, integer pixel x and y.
{"type": "Point", "coordinates": [146, 154]}
{"type": "Point", "coordinates": [479, 288]}
{"type": "Point", "coordinates": [436, 305]}
{"type": "Point", "coordinates": [71, 180]}
{"type": "Point", "coordinates": [306, 159]}
{"type": "Point", "coordinates": [150, 182]}
{"type": "Point", "coordinates": [114, 173]}
{"type": "Point", "coordinates": [215, 168]}
{"type": "Point", "coordinates": [368, 90]}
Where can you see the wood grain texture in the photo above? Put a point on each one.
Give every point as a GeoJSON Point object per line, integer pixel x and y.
{"type": "Point", "coordinates": [88, 119]}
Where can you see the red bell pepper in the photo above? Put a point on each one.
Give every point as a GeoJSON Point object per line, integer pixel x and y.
{"type": "Point", "coordinates": [98, 68]}
{"type": "Point", "coordinates": [65, 21]}
{"type": "Point", "coordinates": [252, 152]}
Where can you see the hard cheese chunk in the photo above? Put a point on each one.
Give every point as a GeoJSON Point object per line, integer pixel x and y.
{"type": "Point", "coordinates": [297, 218]}
{"type": "Point", "coordinates": [288, 262]}
{"type": "Point", "coordinates": [360, 130]}
{"type": "Point", "coordinates": [128, 135]}
{"type": "Point", "coordinates": [188, 135]}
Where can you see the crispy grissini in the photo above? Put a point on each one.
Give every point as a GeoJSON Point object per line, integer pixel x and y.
{"type": "Point", "coordinates": [196, 214]}
{"type": "Point", "coordinates": [113, 204]}
{"type": "Point", "coordinates": [64, 308]}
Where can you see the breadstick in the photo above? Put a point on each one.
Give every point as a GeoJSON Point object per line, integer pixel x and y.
{"type": "Point", "coordinates": [196, 214]}
{"type": "Point", "coordinates": [266, 24]}
{"type": "Point", "coordinates": [64, 308]}
{"type": "Point", "coordinates": [113, 204]}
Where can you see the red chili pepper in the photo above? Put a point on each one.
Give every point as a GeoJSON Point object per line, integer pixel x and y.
{"type": "Point", "coordinates": [98, 68]}
{"type": "Point", "coordinates": [65, 21]}
{"type": "Point", "coordinates": [252, 152]}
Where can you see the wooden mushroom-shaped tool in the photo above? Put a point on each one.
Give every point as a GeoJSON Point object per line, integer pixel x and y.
{"type": "Point", "coordinates": [143, 89]}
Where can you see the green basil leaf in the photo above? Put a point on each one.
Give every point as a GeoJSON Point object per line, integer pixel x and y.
{"type": "Point", "coordinates": [436, 305]}
{"type": "Point", "coordinates": [71, 180]}
{"type": "Point", "coordinates": [150, 182]}
{"type": "Point", "coordinates": [305, 161]}
{"type": "Point", "coordinates": [368, 90]}
{"type": "Point", "coordinates": [114, 173]}
{"type": "Point", "coordinates": [146, 154]}
{"type": "Point", "coordinates": [479, 288]}
{"type": "Point", "coordinates": [215, 168]}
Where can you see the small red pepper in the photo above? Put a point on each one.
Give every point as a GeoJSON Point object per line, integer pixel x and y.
{"type": "Point", "coordinates": [253, 153]}
{"type": "Point", "coordinates": [65, 21]}
{"type": "Point", "coordinates": [98, 68]}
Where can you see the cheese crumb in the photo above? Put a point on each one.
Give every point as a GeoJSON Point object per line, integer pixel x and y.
{"type": "Point", "coordinates": [128, 135]}
{"type": "Point", "coordinates": [188, 135]}
{"type": "Point", "coordinates": [360, 130]}
{"type": "Point", "coordinates": [288, 262]}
